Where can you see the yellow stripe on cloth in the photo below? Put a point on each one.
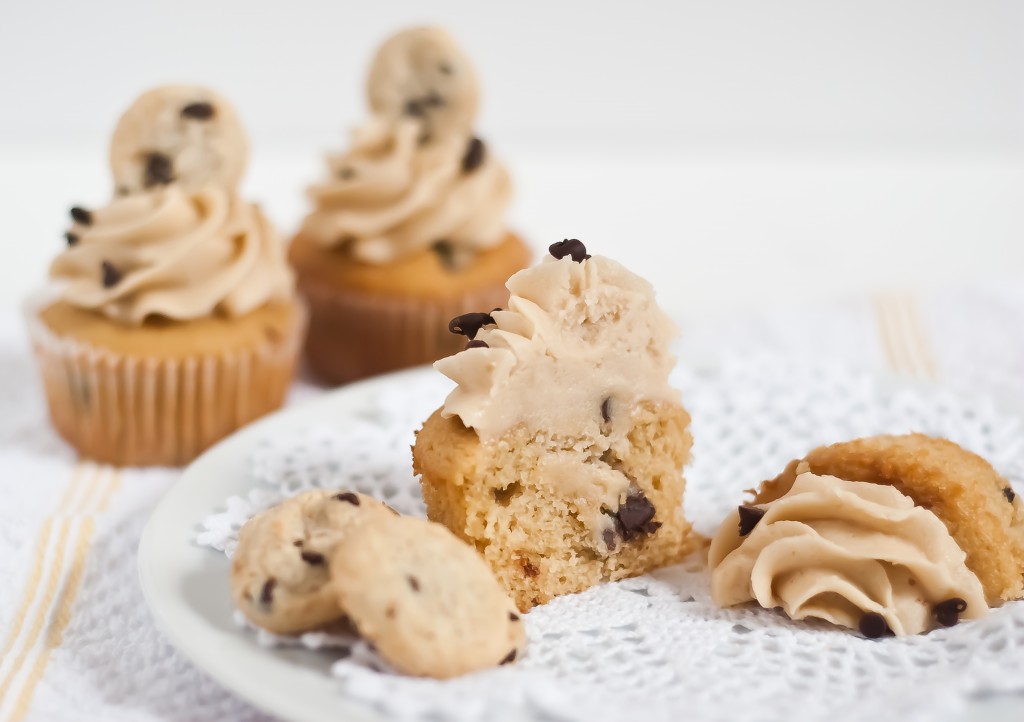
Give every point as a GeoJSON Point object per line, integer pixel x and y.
{"type": "Point", "coordinates": [93, 490]}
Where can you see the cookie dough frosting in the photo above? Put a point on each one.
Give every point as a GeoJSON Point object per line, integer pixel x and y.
{"type": "Point", "coordinates": [415, 175]}
{"type": "Point", "coordinates": [856, 554]}
{"type": "Point", "coordinates": [172, 253]}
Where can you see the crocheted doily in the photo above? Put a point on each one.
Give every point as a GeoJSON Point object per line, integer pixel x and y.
{"type": "Point", "coordinates": [656, 646]}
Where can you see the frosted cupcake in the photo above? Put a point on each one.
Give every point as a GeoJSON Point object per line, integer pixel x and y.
{"type": "Point", "coordinates": [171, 320]}
{"type": "Point", "coordinates": [409, 227]}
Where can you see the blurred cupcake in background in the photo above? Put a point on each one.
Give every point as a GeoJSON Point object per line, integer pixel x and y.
{"type": "Point", "coordinates": [172, 319]}
{"type": "Point", "coordinates": [408, 230]}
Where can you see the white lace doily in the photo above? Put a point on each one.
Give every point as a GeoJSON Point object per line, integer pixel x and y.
{"type": "Point", "coordinates": [655, 647]}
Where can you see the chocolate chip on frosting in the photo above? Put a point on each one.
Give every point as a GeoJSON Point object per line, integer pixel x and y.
{"type": "Point", "coordinates": [749, 516]}
{"type": "Point", "coordinates": [110, 275]}
{"type": "Point", "coordinates": [947, 613]}
{"type": "Point", "coordinates": [509, 658]}
{"type": "Point", "coordinates": [71, 238]}
{"type": "Point", "coordinates": [267, 592]}
{"type": "Point", "coordinates": [474, 157]}
{"type": "Point", "coordinates": [635, 516]}
{"type": "Point", "coordinates": [873, 625]}
{"type": "Point", "coordinates": [314, 558]}
{"type": "Point", "coordinates": [81, 216]}
{"type": "Point", "coordinates": [469, 324]}
{"type": "Point", "coordinates": [569, 247]}
{"type": "Point", "coordinates": [159, 170]}
{"type": "Point", "coordinates": [476, 344]}
{"type": "Point", "coordinates": [347, 496]}
{"type": "Point", "coordinates": [1010, 494]}
{"type": "Point", "coordinates": [513, 617]}
{"type": "Point", "coordinates": [414, 583]}
{"type": "Point", "coordinates": [198, 111]}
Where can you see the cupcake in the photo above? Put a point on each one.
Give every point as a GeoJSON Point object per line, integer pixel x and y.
{"type": "Point", "coordinates": [171, 318]}
{"type": "Point", "coordinates": [408, 228]}
{"type": "Point", "coordinates": [559, 454]}
{"type": "Point", "coordinates": [888, 535]}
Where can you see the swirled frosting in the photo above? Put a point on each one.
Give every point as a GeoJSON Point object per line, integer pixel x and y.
{"type": "Point", "coordinates": [415, 175]}
{"type": "Point", "coordinates": [835, 550]}
{"type": "Point", "coordinates": [173, 253]}
{"type": "Point", "coordinates": [577, 341]}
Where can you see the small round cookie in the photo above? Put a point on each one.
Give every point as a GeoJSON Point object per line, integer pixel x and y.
{"type": "Point", "coordinates": [421, 73]}
{"type": "Point", "coordinates": [183, 134]}
{"type": "Point", "coordinates": [426, 600]}
{"type": "Point", "coordinates": [280, 573]}
{"type": "Point", "coordinates": [977, 504]}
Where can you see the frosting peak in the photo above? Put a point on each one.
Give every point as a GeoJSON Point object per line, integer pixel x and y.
{"type": "Point", "coordinates": [577, 339]}
{"type": "Point", "coordinates": [415, 175]}
{"type": "Point", "coordinates": [173, 253]}
{"type": "Point", "coordinates": [838, 550]}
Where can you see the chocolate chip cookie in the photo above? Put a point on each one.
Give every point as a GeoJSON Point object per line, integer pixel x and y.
{"type": "Point", "coordinates": [280, 570]}
{"type": "Point", "coordinates": [426, 601]}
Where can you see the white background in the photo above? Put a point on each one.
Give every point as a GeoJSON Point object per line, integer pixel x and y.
{"type": "Point", "coordinates": [734, 152]}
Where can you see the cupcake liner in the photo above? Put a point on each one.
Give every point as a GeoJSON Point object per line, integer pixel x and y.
{"type": "Point", "coordinates": [353, 335]}
{"type": "Point", "coordinates": [148, 411]}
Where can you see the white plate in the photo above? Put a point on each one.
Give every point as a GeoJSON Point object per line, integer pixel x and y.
{"type": "Point", "coordinates": [187, 589]}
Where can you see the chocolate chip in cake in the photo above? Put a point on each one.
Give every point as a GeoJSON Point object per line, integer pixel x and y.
{"type": "Point", "coordinates": [267, 593]}
{"type": "Point", "coordinates": [81, 216]}
{"type": "Point", "coordinates": [198, 111]}
{"type": "Point", "coordinates": [469, 324]}
{"type": "Point", "coordinates": [71, 238]}
{"type": "Point", "coordinates": [476, 344]}
{"type": "Point", "coordinates": [528, 568]}
{"type": "Point", "coordinates": [314, 558]}
{"type": "Point", "coordinates": [873, 625]}
{"type": "Point", "coordinates": [749, 516]}
{"type": "Point", "coordinates": [476, 152]}
{"type": "Point", "coordinates": [1010, 494]}
{"type": "Point", "coordinates": [110, 275]}
{"type": "Point", "coordinates": [636, 516]}
{"type": "Point", "coordinates": [347, 496]}
{"type": "Point", "coordinates": [606, 409]}
{"type": "Point", "coordinates": [569, 247]}
{"type": "Point", "coordinates": [509, 658]}
{"type": "Point", "coordinates": [445, 254]}
{"type": "Point", "coordinates": [513, 616]}
{"type": "Point", "coordinates": [414, 583]}
{"type": "Point", "coordinates": [609, 539]}
{"type": "Point", "coordinates": [159, 170]}
{"type": "Point", "coordinates": [947, 613]}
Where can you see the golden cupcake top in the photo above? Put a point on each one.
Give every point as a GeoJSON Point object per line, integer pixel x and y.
{"type": "Point", "coordinates": [177, 242]}
{"type": "Point", "coordinates": [854, 553]}
{"type": "Point", "coordinates": [415, 176]}
{"type": "Point", "coordinates": [582, 335]}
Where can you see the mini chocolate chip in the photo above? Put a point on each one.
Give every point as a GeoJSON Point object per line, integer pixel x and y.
{"type": "Point", "coordinates": [476, 344]}
{"type": "Point", "coordinates": [110, 275]}
{"type": "Point", "coordinates": [390, 611]}
{"type": "Point", "coordinates": [749, 516]}
{"type": "Point", "coordinates": [469, 324]}
{"type": "Point", "coordinates": [509, 658]}
{"type": "Point", "coordinates": [569, 247]}
{"type": "Point", "coordinates": [347, 173]}
{"type": "Point", "coordinates": [414, 583]}
{"type": "Point", "coordinates": [347, 496]}
{"type": "Point", "coordinates": [609, 539]}
{"type": "Point", "coordinates": [1010, 494]}
{"type": "Point", "coordinates": [414, 108]}
{"type": "Point", "coordinates": [159, 170]}
{"type": "Point", "coordinates": [71, 238]}
{"type": "Point", "coordinates": [513, 616]}
{"type": "Point", "coordinates": [267, 593]}
{"type": "Point", "coordinates": [198, 111]}
{"type": "Point", "coordinates": [635, 516]}
{"type": "Point", "coordinates": [297, 542]}
{"type": "Point", "coordinates": [81, 215]}
{"type": "Point", "coordinates": [947, 613]}
{"type": "Point", "coordinates": [474, 157]}
{"type": "Point", "coordinates": [873, 625]}
{"type": "Point", "coordinates": [528, 568]}
{"type": "Point", "coordinates": [314, 558]}
{"type": "Point", "coordinates": [446, 254]}
{"type": "Point", "coordinates": [606, 409]}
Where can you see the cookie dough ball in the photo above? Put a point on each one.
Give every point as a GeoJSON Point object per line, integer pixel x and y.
{"type": "Point", "coordinates": [977, 504]}
{"type": "Point", "coordinates": [426, 600]}
{"type": "Point", "coordinates": [280, 574]}
{"type": "Point", "coordinates": [183, 134]}
{"type": "Point", "coordinates": [421, 73]}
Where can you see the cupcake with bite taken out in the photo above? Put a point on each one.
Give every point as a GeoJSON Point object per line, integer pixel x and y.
{"type": "Point", "coordinates": [409, 226]}
{"type": "Point", "coordinates": [171, 319]}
